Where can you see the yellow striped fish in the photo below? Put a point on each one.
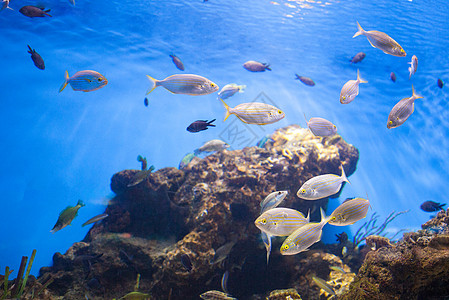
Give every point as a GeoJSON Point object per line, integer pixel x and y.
{"type": "Point", "coordinates": [86, 81]}
{"type": "Point", "coordinates": [351, 89]}
{"type": "Point", "coordinates": [322, 284]}
{"type": "Point", "coordinates": [187, 84]}
{"type": "Point", "coordinates": [349, 212]}
{"type": "Point", "coordinates": [322, 186]}
{"type": "Point", "coordinates": [304, 237]}
{"type": "Point", "coordinates": [272, 200]}
{"type": "Point", "coordinates": [255, 113]}
{"type": "Point", "coordinates": [382, 41]}
{"type": "Point", "coordinates": [280, 221]}
{"type": "Point", "coordinates": [402, 110]}
{"type": "Point", "coordinates": [321, 127]}
{"type": "Point", "coordinates": [216, 295]}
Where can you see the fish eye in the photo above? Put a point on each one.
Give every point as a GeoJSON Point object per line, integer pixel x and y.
{"type": "Point", "coordinates": [100, 79]}
{"type": "Point", "coordinates": [402, 51]}
{"type": "Point", "coordinates": [275, 223]}
{"type": "Point", "coordinates": [391, 122]}
{"type": "Point", "coordinates": [344, 97]}
{"type": "Point", "coordinates": [263, 221]}
{"type": "Point", "coordinates": [285, 247]}
{"type": "Point", "coordinates": [335, 127]}
{"type": "Point", "coordinates": [279, 112]}
{"type": "Point", "coordinates": [212, 84]}
{"type": "Point", "coordinates": [302, 191]}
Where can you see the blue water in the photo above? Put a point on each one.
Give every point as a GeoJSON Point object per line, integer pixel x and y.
{"type": "Point", "coordinates": [57, 148]}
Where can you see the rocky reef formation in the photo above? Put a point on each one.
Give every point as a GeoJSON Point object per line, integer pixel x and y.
{"type": "Point", "coordinates": [195, 211]}
{"type": "Point", "coordinates": [417, 267]}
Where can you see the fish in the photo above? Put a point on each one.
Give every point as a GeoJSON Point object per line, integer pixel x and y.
{"type": "Point", "coordinates": [186, 262]}
{"type": "Point", "coordinates": [230, 90]}
{"type": "Point", "coordinates": [212, 146]}
{"type": "Point", "coordinates": [34, 12]}
{"type": "Point", "coordinates": [177, 61]}
{"type": "Point", "coordinates": [342, 238]}
{"type": "Point", "coordinates": [344, 251]}
{"type": "Point", "coordinates": [145, 101]}
{"type": "Point", "coordinates": [216, 295]}
{"type": "Point", "coordinates": [5, 5]}
{"type": "Point", "coordinates": [272, 200]}
{"type": "Point", "coordinates": [304, 237]}
{"type": "Point", "coordinates": [86, 81]}
{"type": "Point", "coordinates": [95, 219]}
{"type": "Point", "coordinates": [281, 221]}
{"type": "Point", "coordinates": [263, 141]}
{"type": "Point", "coordinates": [200, 125]}
{"type": "Point", "coordinates": [224, 282]}
{"type": "Point", "coordinates": [72, 2]}
{"type": "Point", "coordinates": [186, 84]}
{"type": "Point", "coordinates": [140, 176]}
{"type": "Point", "coordinates": [255, 66]}
{"type": "Point", "coordinates": [349, 212]}
{"type": "Point", "coordinates": [143, 161]}
{"type": "Point", "coordinates": [338, 269]}
{"type": "Point", "coordinates": [382, 41]}
{"type": "Point", "coordinates": [322, 186]}
{"type": "Point", "coordinates": [358, 58]}
{"type": "Point", "coordinates": [321, 127]}
{"type": "Point", "coordinates": [351, 89]}
{"type": "Point", "coordinates": [413, 66]}
{"type": "Point", "coordinates": [306, 80]}
{"type": "Point", "coordinates": [440, 83]}
{"type": "Point", "coordinates": [66, 216]}
{"type": "Point", "coordinates": [222, 252]}
{"type": "Point", "coordinates": [402, 110]}
{"type": "Point", "coordinates": [393, 77]}
{"type": "Point", "coordinates": [136, 296]}
{"type": "Point", "coordinates": [186, 160]}
{"type": "Point", "coordinates": [266, 239]}
{"type": "Point", "coordinates": [37, 59]}
{"type": "Point", "coordinates": [431, 206]}
{"type": "Point", "coordinates": [322, 284]}
{"type": "Point", "coordinates": [255, 113]}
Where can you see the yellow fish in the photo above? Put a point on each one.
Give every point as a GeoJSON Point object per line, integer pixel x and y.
{"type": "Point", "coordinates": [255, 113]}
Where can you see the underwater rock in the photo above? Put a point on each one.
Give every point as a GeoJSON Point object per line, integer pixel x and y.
{"type": "Point", "coordinates": [196, 210]}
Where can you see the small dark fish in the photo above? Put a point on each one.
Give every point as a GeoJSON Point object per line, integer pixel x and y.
{"type": "Point", "coordinates": [440, 83]}
{"type": "Point", "coordinates": [186, 262]}
{"type": "Point", "coordinates": [200, 125]}
{"type": "Point", "coordinates": [37, 59]}
{"type": "Point", "coordinates": [358, 58]}
{"type": "Point", "coordinates": [178, 63]}
{"type": "Point", "coordinates": [393, 77]}
{"type": "Point", "coordinates": [430, 206]}
{"type": "Point", "coordinates": [342, 238]}
{"type": "Point", "coordinates": [33, 11]}
{"type": "Point", "coordinates": [306, 80]}
{"type": "Point", "coordinates": [145, 101]}
{"type": "Point", "coordinates": [95, 219]}
{"type": "Point", "coordinates": [255, 66]}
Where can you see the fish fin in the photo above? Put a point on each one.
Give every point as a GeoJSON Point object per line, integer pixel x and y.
{"type": "Point", "coordinates": [305, 118]}
{"type": "Point", "coordinates": [359, 32]}
{"type": "Point", "coordinates": [267, 67]}
{"type": "Point", "coordinates": [308, 216]}
{"type": "Point", "coordinates": [64, 84]}
{"type": "Point", "coordinates": [154, 84]}
{"type": "Point", "coordinates": [46, 12]}
{"type": "Point", "coordinates": [324, 219]}
{"type": "Point", "coordinates": [227, 110]}
{"type": "Point", "coordinates": [31, 50]}
{"type": "Point", "coordinates": [414, 94]}
{"type": "Point", "coordinates": [196, 151]}
{"type": "Point", "coordinates": [360, 80]}
{"type": "Point", "coordinates": [343, 175]}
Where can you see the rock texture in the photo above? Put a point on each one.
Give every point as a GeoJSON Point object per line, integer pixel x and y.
{"type": "Point", "coordinates": [194, 211]}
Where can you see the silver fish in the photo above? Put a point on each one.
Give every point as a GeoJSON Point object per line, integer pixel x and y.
{"type": "Point", "coordinates": [351, 89]}
{"type": "Point", "coordinates": [349, 212]}
{"type": "Point", "coordinates": [322, 186]}
{"type": "Point", "coordinates": [95, 219]}
{"type": "Point", "coordinates": [322, 284]}
{"type": "Point", "coordinates": [338, 269]}
{"type": "Point", "coordinates": [321, 127]}
{"type": "Point", "coordinates": [187, 84]}
{"type": "Point", "coordinates": [230, 89]}
{"type": "Point", "coordinates": [86, 81]}
{"type": "Point", "coordinates": [266, 238]}
{"type": "Point", "coordinates": [222, 252]}
{"type": "Point", "coordinates": [382, 41]}
{"type": "Point", "coordinates": [216, 295]}
{"type": "Point", "coordinates": [255, 66]}
{"type": "Point", "coordinates": [255, 113]}
{"type": "Point", "coordinates": [413, 66]}
{"type": "Point", "coordinates": [402, 110]}
{"type": "Point", "coordinates": [272, 200]}
{"type": "Point", "coordinates": [304, 237]}
{"type": "Point", "coordinates": [211, 146]}
{"type": "Point", "coordinates": [280, 221]}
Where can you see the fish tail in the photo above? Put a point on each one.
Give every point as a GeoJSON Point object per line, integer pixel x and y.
{"type": "Point", "coordinates": [31, 50]}
{"type": "Point", "coordinates": [305, 118]}
{"type": "Point", "coordinates": [324, 219]}
{"type": "Point", "coordinates": [153, 84]}
{"type": "Point", "coordinates": [417, 96]}
{"type": "Point", "coordinates": [360, 30]}
{"type": "Point", "coordinates": [46, 12]}
{"type": "Point", "coordinates": [308, 216]}
{"type": "Point", "coordinates": [242, 88]}
{"type": "Point", "coordinates": [267, 67]}
{"type": "Point", "coordinates": [66, 78]}
{"type": "Point", "coordinates": [360, 79]}
{"type": "Point", "coordinates": [196, 152]}
{"type": "Point", "coordinates": [297, 77]}
{"type": "Point", "coordinates": [343, 175]}
{"type": "Point", "coordinates": [81, 203]}
{"type": "Point", "coordinates": [227, 110]}
{"type": "Point", "coordinates": [210, 123]}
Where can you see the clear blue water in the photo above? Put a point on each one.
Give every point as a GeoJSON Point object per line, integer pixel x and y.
{"type": "Point", "coordinates": [58, 148]}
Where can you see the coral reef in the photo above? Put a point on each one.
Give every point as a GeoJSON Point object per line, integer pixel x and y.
{"type": "Point", "coordinates": [196, 210]}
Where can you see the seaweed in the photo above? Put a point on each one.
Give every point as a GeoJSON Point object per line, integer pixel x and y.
{"type": "Point", "coordinates": [370, 228]}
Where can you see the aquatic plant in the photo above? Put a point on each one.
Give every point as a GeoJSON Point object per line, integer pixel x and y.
{"type": "Point", "coordinates": [370, 228]}
{"type": "Point", "coordinates": [142, 160]}
{"type": "Point", "coordinates": [19, 283]}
